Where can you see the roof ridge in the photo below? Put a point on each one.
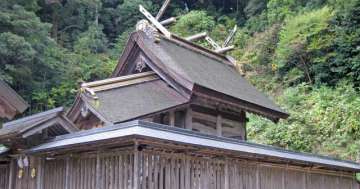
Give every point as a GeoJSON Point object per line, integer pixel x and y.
{"type": "Point", "coordinates": [199, 49]}
{"type": "Point", "coordinates": [33, 116]}
{"type": "Point", "coordinates": [116, 79]}
{"type": "Point", "coordinates": [117, 82]}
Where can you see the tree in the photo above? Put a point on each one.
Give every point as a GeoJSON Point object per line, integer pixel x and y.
{"type": "Point", "coordinates": [346, 63]}
{"type": "Point", "coordinates": [297, 41]}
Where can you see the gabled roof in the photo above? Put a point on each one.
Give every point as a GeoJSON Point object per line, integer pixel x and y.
{"type": "Point", "coordinates": [129, 97]}
{"type": "Point", "coordinates": [194, 68]}
{"type": "Point", "coordinates": [53, 120]}
{"type": "Point", "coordinates": [178, 136]}
{"type": "Point", "coordinates": [9, 98]}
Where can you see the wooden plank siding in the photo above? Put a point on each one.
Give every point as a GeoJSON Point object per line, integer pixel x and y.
{"type": "Point", "coordinates": [4, 176]}
{"type": "Point", "coordinates": [163, 170]}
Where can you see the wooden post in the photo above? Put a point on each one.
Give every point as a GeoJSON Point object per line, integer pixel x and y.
{"type": "Point", "coordinates": [219, 125]}
{"type": "Point", "coordinates": [172, 118]}
{"type": "Point", "coordinates": [12, 173]}
{"type": "Point", "coordinates": [227, 179]}
{"type": "Point", "coordinates": [40, 173]}
{"type": "Point", "coordinates": [98, 171]}
{"type": "Point", "coordinates": [257, 177]}
{"type": "Point", "coordinates": [188, 119]}
{"type": "Point", "coordinates": [67, 173]}
{"type": "Point", "coordinates": [136, 166]}
{"type": "Point", "coordinates": [243, 124]}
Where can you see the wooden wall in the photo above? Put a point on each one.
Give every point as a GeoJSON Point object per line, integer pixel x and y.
{"type": "Point", "coordinates": [154, 170]}
{"type": "Point", "coordinates": [4, 175]}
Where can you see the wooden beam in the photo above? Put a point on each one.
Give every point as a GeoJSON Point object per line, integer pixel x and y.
{"type": "Point", "coordinates": [234, 116]}
{"type": "Point", "coordinates": [196, 36]}
{"type": "Point", "coordinates": [212, 43]}
{"type": "Point", "coordinates": [117, 79]}
{"type": "Point", "coordinates": [225, 49]}
{"type": "Point", "coordinates": [188, 119]}
{"type": "Point", "coordinates": [230, 37]}
{"type": "Point", "coordinates": [219, 125]}
{"type": "Point", "coordinates": [168, 21]}
{"type": "Point", "coordinates": [231, 59]}
{"type": "Point", "coordinates": [154, 21]}
{"type": "Point", "coordinates": [162, 9]}
{"type": "Point", "coordinates": [172, 118]}
{"type": "Point", "coordinates": [67, 124]}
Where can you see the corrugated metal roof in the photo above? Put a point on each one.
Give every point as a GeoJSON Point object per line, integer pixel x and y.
{"type": "Point", "coordinates": [183, 136]}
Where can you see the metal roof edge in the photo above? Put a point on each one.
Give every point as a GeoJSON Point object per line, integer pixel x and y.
{"type": "Point", "coordinates": [164, 132]}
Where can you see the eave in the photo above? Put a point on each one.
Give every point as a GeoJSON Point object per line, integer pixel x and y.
{"type": "Point", "coordinates": [164, 134]}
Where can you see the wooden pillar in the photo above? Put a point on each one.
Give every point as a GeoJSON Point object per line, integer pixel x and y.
{"type": "Point", "coordinates": [188, 119]}
{"type": "Point", "coordinates": [12, 173]}
{"type": "Point", "coordinates": [67, 173]}
{"type": "Point", "coordinates": [243, 124]}
{"type": "Point", "coordinates": [136, 166]}
{"type": "Point", "coordinates": [98, 171]}
{"type": "Point", "coordinates": [227, 175]}
{"type": "Point", "coordinates": [172, 118]}
{"type": "Point", "coordinates": [219, 125]}
{"type": "Point", "coordinates": [257, 177]}
{"type": "Point", "coordinates": [40, 173]}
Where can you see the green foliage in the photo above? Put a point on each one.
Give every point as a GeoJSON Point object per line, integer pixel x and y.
{"type": "Point", "coordinates": [259, 49]}
{"type": "Point", "coordinates": [278, 10]}
{"type": "Point", "coordinates": [299, 38]}
{"type": "Point", "coordinates": [129, 14]}
{"type": "Point", "coordinates": [329, 125]}
{"type": "Point", "coordinates": [92, 41]}
{"type": "Point", "coordinates": [254, 7]}
{"type": "Point", "coordinates": [346, 54]}
{"type": "Point", "coordinates": [48, 47]}
{"type": "Point", "coordinates": [193, 22]}
{"type": "Point", "coordinates": [298, 31]}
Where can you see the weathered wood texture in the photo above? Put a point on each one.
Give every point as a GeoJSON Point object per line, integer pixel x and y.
{"type": "Point", "coordinates": [178, 171]}
{"type": "Point", "coordinates": [4, 176]}
{"type": "Point", "coordinates": [106, 171]}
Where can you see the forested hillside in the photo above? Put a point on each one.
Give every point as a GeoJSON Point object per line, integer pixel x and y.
{"type": "Point", "coordinates": [305, 54]}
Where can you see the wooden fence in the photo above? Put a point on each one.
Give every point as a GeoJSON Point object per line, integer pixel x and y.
{"type": "Point", "coordinates": [154, 170]}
